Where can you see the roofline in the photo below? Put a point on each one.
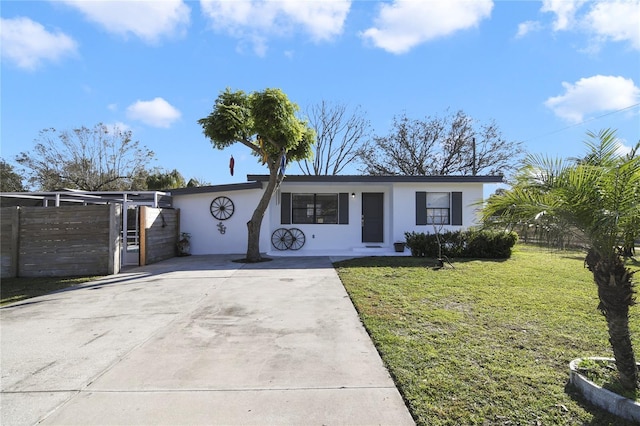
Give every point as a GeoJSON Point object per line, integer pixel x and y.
{"type": "Point", "coordinates": [158, 198]}
{"type": "Point", "coordinates": [81, 193]}
{"type": "Point", "coordinates": [217, 188]}
{"type": "Point", "coordinates": [383, 179]}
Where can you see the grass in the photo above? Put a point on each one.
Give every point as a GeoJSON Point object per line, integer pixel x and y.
{"type": "Point", "coordinates": [488, 342]}
{"type": "Point", "coordinates": [17, 289]}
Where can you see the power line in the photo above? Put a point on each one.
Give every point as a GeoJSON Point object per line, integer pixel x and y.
{"type": "Point", "coordinates": [583, 122]}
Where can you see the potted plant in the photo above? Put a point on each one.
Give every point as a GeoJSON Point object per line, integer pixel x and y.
{"type": "Point", "coordinates": [399, 246]}
{"type": "Point", "coordinates": [184, 247]}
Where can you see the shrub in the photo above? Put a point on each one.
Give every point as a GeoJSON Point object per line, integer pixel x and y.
{"type": "Point", "coordinates": [490, 244]}
{"type": "Point", "coordinates": [466, 244]}
{"type": "Point", "coordinates": [421, 244]}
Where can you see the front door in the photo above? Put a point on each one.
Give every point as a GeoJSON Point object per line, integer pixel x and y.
{"type": "Point", "coordinates": [372, 217]}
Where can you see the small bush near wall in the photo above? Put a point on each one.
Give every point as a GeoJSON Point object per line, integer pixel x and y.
{"type": "Point", "coordinates": [467, 244]}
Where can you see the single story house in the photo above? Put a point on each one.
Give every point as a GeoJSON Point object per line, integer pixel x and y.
{"type": "Point", "coordinates": [328, 215]}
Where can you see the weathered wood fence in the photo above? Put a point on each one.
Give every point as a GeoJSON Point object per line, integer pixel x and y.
{"type": "Point", "coordinates": [79, 240]}
{"type": "Point", "coordinates": [158, 234]}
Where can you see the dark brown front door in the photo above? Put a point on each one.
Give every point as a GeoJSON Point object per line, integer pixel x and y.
{"type": "Point", "coordinates": [372, 217]}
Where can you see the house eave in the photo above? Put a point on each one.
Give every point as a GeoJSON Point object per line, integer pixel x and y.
{"type": "Point", "coordinates": [382, 179]}
{"type": "Point", "coordinates": [255, 184]}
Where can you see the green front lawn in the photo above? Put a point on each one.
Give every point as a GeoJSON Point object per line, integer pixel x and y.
{"type": "Point", "coordinates": [488, 342]}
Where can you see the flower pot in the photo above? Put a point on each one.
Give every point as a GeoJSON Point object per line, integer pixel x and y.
{"type": "Point", "coordinates": [399, 247]}
{"type": "Point", "coordinates": [184, 248]}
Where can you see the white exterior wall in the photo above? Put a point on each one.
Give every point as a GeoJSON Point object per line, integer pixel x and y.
{"type": "Point", "coordinates": [196, 219]}
{"type": "Point", "coordinates": [399, 216]}
{"type": "Point", "coordinates": [405, 206]}
{"type": "Point", "coordinates": [334, 236]}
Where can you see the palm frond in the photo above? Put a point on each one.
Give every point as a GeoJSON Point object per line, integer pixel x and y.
{"type": "Point", "coordinates": [603, 148]}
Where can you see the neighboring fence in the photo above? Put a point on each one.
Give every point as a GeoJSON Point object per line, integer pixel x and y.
{"type": "Point", "coordinates": [79, 240]}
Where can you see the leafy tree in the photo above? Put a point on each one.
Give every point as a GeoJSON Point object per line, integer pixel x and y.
{"type": "Point", "coordinates": [10, 180]}
{"type": "Point", "coordinates": [450, 145]}
{"type": "Point", "coordinates": [101, 158]}
{"type": "Point", "coordinates": [194, 182]}
{"type": "Point", "coordinates": [160, 180]}
{"type": "Point", "coordinates": [266, 123]}
{"type": "Point", "coordinates": [340, 135]}
{"type": "Point", "coordinates": [600, 199]}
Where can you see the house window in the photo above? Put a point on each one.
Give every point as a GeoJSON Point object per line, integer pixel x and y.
{"type": "Point", "coordinates": [438, 208]}
{"type": "Point", "coordinates": [314, 208]}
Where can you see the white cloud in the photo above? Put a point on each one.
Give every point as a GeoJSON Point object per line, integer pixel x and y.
{"type": "Point", "coordinates": [147, 19]}
{"type": "Point", "coordinates": [254, 21]}
{"type": "Point", "coordinates": [616, 21]}
{"type": "Point", "coordinates": [323, 20]}
{"type": "Point", "coordinates": [28, 44]}
{"type": "Point", "coordinates": [527, 27]}
{"type": "Point", "coordinates": [622, 149]}
{"type": "Point", "coordinates": [118, 126]}
{"type": "Point", "coordinates": [604, 20]}
{"type": "Point", "coordinates": [156, 113]}
{"type": "Point", "coordinates": [591, 95]}
{"type": "Point", "coordinates": [565, 11]}
{"type": "Point", "coordinates": [402, 25]}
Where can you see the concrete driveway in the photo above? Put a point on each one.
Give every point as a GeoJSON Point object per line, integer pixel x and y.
{"type": "Point", "coordinates": [196, 340]}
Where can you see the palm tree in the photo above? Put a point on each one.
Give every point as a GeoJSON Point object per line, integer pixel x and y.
{"type": "Point", "coordinates": [597, 195]}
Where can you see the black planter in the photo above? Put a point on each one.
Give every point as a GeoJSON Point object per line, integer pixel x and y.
{"type": "Point", "coordinates": [399, 247]}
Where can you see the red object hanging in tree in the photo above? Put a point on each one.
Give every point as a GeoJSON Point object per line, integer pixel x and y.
{"type": "Point", "coordinates": [232, 163]}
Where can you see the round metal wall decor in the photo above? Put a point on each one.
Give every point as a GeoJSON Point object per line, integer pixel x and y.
{"type": "Point", "coordinates": [222, 208]}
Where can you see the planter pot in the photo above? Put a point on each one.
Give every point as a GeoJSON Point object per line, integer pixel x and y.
{"type": "Point", "coordinates": [184, 248]}
{"type": "Point", "coordinates": [603, 398]}
{"type": "Point", "coordinates": [399, 247]}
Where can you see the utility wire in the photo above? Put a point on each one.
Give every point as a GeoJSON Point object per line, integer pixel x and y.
{"type": "Point", "coordinates": [583, 122]}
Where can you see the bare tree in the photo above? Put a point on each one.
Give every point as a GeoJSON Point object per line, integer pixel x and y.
{"type": "Point", "coordinates": [102, 158]}
{"type": "Point", "coordinates": [449, 145]}
{"type": "Point", "coordinates": [340, 133]}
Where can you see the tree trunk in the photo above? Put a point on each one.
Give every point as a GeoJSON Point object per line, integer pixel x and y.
{"type": "Point", "coordinates": [615, 291]}
{"type": "Point", "coordinates": [254, 225]}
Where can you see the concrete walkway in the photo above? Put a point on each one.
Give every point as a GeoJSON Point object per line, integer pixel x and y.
{"type": "Point", "coordinates": [196, 340]}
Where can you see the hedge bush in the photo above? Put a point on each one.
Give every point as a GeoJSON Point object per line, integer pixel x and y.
{"type": "Point", "coordinates": [467, 244]}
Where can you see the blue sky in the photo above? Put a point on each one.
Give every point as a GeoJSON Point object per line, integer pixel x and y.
{"type": "Point", "coordinates": [545, 71]}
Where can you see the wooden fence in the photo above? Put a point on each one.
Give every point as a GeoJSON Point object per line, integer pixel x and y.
{"type": "Point", "coordinates": [79, 240]}
{"type": "Point", "coordinates": [158, 234]}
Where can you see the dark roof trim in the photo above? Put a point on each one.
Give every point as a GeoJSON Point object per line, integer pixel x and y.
{"type": "Point", "coordinates": [217, 188]}
{"type": "Point", "coordinates": [382, 179]}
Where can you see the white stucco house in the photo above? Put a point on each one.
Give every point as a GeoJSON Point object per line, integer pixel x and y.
{"type": "Point", "coordinates": [328, 215]}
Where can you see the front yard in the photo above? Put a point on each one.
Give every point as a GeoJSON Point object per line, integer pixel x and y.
{"type": "Point", "coordinates": [488, 342]}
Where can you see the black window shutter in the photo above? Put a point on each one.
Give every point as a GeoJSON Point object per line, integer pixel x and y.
{"type": "Point", "coordinates": [421, 208]}
{"type": "Point", "coordinates": [343, 208]}
{"type": "Point", "coordinates": [456, 208]}
{"type": "Point", "coordinates": [285, 208]}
